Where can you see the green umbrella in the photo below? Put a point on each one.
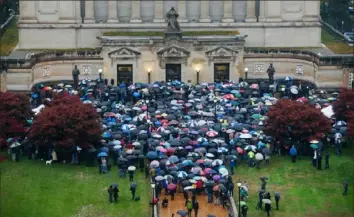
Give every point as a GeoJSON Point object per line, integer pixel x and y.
{"type": "Point", "coordinates": [256, 116]}
{"type": "Point", "coordinates": [314, 146]}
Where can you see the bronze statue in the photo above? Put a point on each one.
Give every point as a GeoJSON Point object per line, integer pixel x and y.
{"type": "Point", "coordinates": [271, 72]}
{"type": "Point", "coordinates": [76, 73]}
{"type": "Point", "coordinates": [172, 23]}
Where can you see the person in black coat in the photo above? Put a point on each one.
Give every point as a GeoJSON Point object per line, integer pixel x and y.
{"type": "Point", "coordinates": [244, 210]}
{"type": "Point", "coordinates": [110, 192]}
{"type": "Point", "coordinates": [327, 160]}
{"type": "Point", "coordinates": [267, 207]}
{"type": "Point", "coordinates": [115, 194]}
{"type": "Point", "coordinates": [196, 208]}
{"type": "Point", "coordinates": [319, 161]}
{"type": "Point", "coordinates": [277, 199]}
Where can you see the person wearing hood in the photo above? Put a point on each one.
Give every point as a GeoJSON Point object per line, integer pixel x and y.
{"type": "Point", "coordinates": [293, 153]}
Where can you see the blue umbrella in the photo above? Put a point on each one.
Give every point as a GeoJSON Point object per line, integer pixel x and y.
{"type": "Point", "coordinates": [151, 155]}
{"type": "Point", "coordinates": [173, 159]}
{"type": "Point", "coordinates": [34, 96]}
{"type": "Point", "coordinates": [187, 163]}
{"type": "Point", "coordinates": [104, 149]}
{"type": "Point", "coordinates": [102, 154]}
{"type": "Point", "coordinates": [106, 135]}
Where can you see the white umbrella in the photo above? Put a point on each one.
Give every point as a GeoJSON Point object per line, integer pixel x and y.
{"type": "Point", "coordinates": [15, 144]}
{"type": "Point", "coordinates": [189, 188]}
{"type": "Point", "coordinates": [217, 161]}
{"type": "Point", "coordinates": [154, 164]}
{"type": "Point", "coordinates": [192, 181]}
{"type": "Point", "coordinates": [223, 171]}
{"type": "Point", "coordinates": [131, 168]}
{"type": "Point", "coordinates": [117, 147]}
{"type": "Point", "coordinates": [209, 155]}
{"type": "Point", "coordinates": [116, 142]}
{"type": "Point", "coordinates": [267, 201]}
{"type": "Point", "coordinates": [159, 178]}
{"type": "Point", "coordinates": [294, 91]}
{"type": "Point", "coordinates": [245, 136]}
{"type": "Point", "coordinates": [259, 156]}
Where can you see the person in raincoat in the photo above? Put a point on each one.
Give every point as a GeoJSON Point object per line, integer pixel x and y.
{"type": "Point", "coordinates": [244, 193]}
{"type": "Point", "coordinates": [293, 154]}
{"type": "Point", "coordinates": [189, 207]}
{"type": "Point", "coordinates": [337, 142]}
{"type": "Point", "coordinates": [250, 159]}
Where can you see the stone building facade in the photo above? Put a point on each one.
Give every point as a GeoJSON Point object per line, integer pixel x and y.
{"type": "Point", "coordinates": [76, 24]}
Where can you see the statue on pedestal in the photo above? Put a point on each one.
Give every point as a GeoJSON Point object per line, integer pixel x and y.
{"type": "Point", "coordinates": [271, 72]}
{"type": "Point", "coordinates": [173, 29]}
{"type": "Point", "coordinates": [76, 73]}
{"type": "Point", "coordinates": [172, 23]}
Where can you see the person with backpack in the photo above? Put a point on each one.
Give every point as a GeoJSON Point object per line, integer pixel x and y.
{"type": "Point", "coordinates": [189, 207]}
{"type": "Point", "coordinates": [196, 208]}
{"type": "Point", "coordinates": [244, 210]}
{"type": "Point", "coordinates": [277, 198]}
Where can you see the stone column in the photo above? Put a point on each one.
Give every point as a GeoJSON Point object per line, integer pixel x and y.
{"type": "Point", "coordinates": [227, 12]}
{"type": "Point", "coordinates": [136, 18]}
{"type": "Point", "coordinates": [159, 16]}
{"type": "Point", "coordinates": [204, 12]}
{"type": "Point", "coordinates": [112, 11]}
{"type": "Point", "coordinates": [251, 11]}
{"type": "Point", "coordinates": [89, 12]}
{"type": "Point", "coordinates": [182, 11]}
{"type": "Point", "coordinates": [262, 10]}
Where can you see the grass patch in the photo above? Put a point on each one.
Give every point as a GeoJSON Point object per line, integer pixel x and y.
{"type": "Point", "coordinates": [305, 191]}
{"type": "Point", "coordinates": [335, 43]}
{"type": "Point", "coordinates": [31, 189]}
{"type": "Point", "coordinates": [161, 34]}
{"type": "Point", "coordinates": [10, 39]}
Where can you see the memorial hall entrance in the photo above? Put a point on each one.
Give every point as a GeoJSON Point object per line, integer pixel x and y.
{"type": "Point", "coordinates": [173, 72]}
{"type": "Point", "coordinates": [221, 72]}
{"type": "Point", "coordinates": [125, 73]}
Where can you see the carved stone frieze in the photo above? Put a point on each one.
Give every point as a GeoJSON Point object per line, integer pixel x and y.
{"type": "Point", "coordinates": [221, 53]}
{"type": "Point", "coordinates": [174, 53]}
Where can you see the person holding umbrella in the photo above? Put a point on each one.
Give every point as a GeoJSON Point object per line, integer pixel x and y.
{"type": "Point", "coordinates": [131, 170]}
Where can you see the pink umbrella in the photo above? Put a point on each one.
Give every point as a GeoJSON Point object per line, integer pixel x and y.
{"type": "Point", "coordinates": [163, 150]}
{"type": "Point", "coordinates": [171, 187]}
{"type": "Point", "coordinates": [239, 150]}
{"type": "Point", "coordinates": [171, 150]}
{"type": "Point", "coordinates": [201, 161]}
{"type": "Point", "coordinates": [207, 171]}
{"type": "Point", "coordinates": [144, 107]}
{"type": "Point", "coordinates": [212, 133]}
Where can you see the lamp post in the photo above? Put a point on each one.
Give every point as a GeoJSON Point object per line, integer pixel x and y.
{"type": "Point", "coordinates": [153, 197]}
{"type": "Point", "coordinates": [239, 198]}
{"type": "Point", "coordinates": [149, 76]}
{"type": "Point", "coordinates": [100, 74]}
{"type": "Point", "coordinates": [215, 101]}
{"type": "Point", "coordinates": [197, 71]}
{"type": "Point", "coordinates": [246, 73]}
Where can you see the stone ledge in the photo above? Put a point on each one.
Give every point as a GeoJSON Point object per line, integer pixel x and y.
{"type": "Point", "coordinates": [163, 25]}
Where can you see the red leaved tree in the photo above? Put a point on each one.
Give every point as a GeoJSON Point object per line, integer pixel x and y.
{"type": "Point", "coordinates": [296, 121]}
{"type": "Point", "coordinates": [344, 104]}
{"type": "Point", "coordinates": [65, 122]}
{"type": "Point", "coordinates": [350, 124]}
{"type": "Point", "coordinates": [15, 109]}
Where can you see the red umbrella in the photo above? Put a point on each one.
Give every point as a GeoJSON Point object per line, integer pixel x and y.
{"type": "Point", "coordinates": [171, 150]}
{"type": "Point", "coordinates": [239, 150]}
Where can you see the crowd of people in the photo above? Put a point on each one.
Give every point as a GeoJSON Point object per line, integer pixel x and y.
{"type": "Point", "coordinates": [188, 138]}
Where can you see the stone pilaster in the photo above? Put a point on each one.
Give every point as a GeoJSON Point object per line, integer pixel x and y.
{"type": "Point", "coordinates": [227, 12]}
{"type": "Point", "coordinates": [159, 16]}
{"type": "Point", "coordinates": [204, 12]}
{"type": "Point", "coordinates": [89, 12]}
{"type": "Point", "coordinates": [273, 11]}
{"type": "Point", "coordinates": [182, 11]}
{"type": "Point", "coordinates": [3, 81]}
{"type": "Point", "coordinates": [251, 11]}
{"type": "Point", "coordinates": [262, 10]}
{"type": "Point", "coordinates": [136, 17]}
{"type": "Point", "coordinates": [28, 12]}
{"type": "Point", "coordinates": [112, 12]}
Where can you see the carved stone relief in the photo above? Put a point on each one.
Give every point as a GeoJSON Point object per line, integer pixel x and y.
{"type": "Point", "coordinates": [173, 53]}
{"type": "Point", "coordinates": [46, 71]}
{"type": "Point", "coordinates": [124, 53]}
{"type": "Point", "coordinates": [86, 69]}
{"type": "Point", "coordinates": [299, 69]}
{"type": "Point", "coordinates": [221, 53]}
{"type": "Point", "coordinates": [259, 68]}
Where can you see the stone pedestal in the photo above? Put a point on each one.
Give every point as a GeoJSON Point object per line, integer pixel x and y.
{"type": "Point", "coordinates": [173, 35]}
